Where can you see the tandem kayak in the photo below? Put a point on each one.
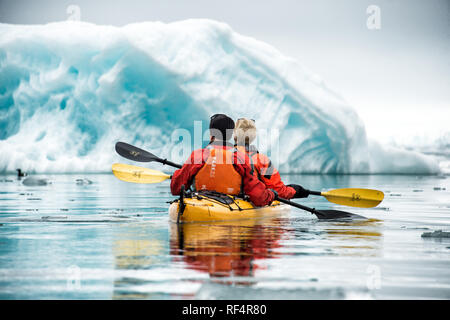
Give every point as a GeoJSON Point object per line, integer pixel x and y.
{"type": "Point", "coordinates": [207, 207]}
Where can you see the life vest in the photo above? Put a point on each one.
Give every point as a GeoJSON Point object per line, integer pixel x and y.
{"type": "Point", "coordinates": [260, 164]}
{"type": "Point", "coordinates": [263, 169]}
{"type": "Point", "coordinates": [218, 173]}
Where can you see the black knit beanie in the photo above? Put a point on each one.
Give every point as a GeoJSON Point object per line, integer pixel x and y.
{"type": "Point", "coordinates": [223, 125]}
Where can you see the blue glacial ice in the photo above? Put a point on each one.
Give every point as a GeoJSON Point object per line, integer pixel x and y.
{"type": "Point", "coordinates": [69, 90]}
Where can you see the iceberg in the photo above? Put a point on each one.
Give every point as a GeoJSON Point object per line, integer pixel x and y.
{"type": "Point", "coordinates": [70, 90]}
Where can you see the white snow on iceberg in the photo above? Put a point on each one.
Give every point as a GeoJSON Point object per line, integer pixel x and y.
{"type": "Point", "coordinates": [70, 90]}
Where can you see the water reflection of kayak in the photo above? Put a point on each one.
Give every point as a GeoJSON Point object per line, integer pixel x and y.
{"type": "Point", "coordinates": [225, 249]}
{"type": "Point", "coordinates": [207, 207]}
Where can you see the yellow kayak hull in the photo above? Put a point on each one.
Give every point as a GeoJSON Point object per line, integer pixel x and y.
{"type": "Point", "coordinates": [207, 210]}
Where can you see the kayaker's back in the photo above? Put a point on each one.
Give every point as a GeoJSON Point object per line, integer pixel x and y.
{"type": "Point", "coordinates": [218, 173]}
{"type": "Point", "coordinates": [232, 177]}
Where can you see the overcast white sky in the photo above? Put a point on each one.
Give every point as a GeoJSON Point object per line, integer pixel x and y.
{"type": "Point", "coordinates": [397, 77]}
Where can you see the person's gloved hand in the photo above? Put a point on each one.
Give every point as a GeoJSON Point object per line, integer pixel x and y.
{"type": "Point", "coordinates": [275, 195]}
{"type": "Point", "coordinates": [300, 192]}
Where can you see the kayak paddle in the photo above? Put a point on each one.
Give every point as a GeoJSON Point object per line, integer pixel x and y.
{"type": "Point", "coordinates": [134, 153]}
{"type": "Point", "coordinates": [352, 197]}
{"type": "Point", "coordinates": [129, 173]}
{"type": "Point", "coordinates": [135, 174]}
{"type": "Point", "coordinates": [323, 214]}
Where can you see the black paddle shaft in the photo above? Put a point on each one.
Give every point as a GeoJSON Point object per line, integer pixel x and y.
{"type": "Point", "coordinates": [170, 163]}
{"type": "Point", "coordinates": [322, 214]}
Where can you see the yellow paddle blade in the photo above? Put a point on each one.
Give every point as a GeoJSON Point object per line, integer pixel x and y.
{"type": "Point", "coordinates": [129, 173]}
{"type": "Point", "coordinates": [362, 198]}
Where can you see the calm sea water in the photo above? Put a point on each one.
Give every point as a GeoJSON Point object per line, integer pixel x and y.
{"type": "Point", "coordinates": [112, 240]}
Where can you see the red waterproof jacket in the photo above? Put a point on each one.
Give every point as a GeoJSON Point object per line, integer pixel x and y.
{"type": "Point", "coordinates": [259, 194]}
{"type": "Point", "coordinates": [267, 173]}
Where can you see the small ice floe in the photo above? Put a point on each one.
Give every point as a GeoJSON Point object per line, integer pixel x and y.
{"type": "Point", "coordinates": [30, 181]}
{"type": "Point", "coordinates": [58, 218]}
{"type": "Point", "coordinates": [75, 219]}
{"type": "Point", "coordinates": [382, 208]}
{"type": "Point", "coordinates": [436, 234]}
{"type": "Point", "coordinates": [82, 182]}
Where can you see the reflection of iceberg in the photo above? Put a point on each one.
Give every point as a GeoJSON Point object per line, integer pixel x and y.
{"type": "Point", "coordinates": [70, 90]}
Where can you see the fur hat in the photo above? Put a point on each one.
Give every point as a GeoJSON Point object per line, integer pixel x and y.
{"type": "Point", "coordinates": [245, 131]}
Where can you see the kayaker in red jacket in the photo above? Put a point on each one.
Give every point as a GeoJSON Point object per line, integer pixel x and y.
{"type": "Point", "coordinates": [263, 168]}
{"type": "Point", "coordinates": [221, 167]}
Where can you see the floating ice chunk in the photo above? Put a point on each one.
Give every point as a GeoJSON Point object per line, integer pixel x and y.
{"type": "Point", "coordinates": [83, 181]}
{"type": "Point", "coordinates": [31, 181]}
{"type": "Point", "coordinates": [436, 234]}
